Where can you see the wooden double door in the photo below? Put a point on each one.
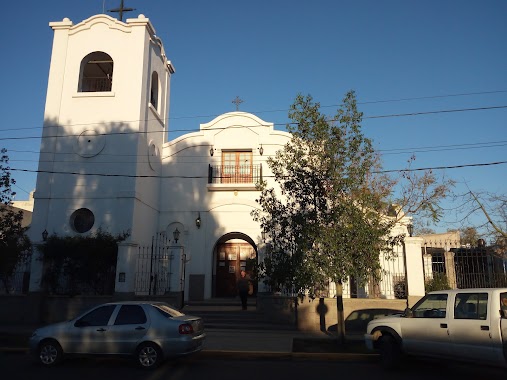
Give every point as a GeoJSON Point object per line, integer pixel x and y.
{"type": "Point", "coordinates": [231, 259]}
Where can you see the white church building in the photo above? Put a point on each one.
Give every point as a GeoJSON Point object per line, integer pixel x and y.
{"type": "Point", "coordinates": [105, 163]}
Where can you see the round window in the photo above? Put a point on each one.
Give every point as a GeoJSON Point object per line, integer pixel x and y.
{"type": "Point", "coordinates": [82, 220]}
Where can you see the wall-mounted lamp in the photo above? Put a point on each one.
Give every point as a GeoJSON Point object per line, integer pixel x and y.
{"type": "Point", "coordinates": [410, 229]}
{"type": "Point", "coordinates": [198, 221]}
{"type": "Point", "coordinates": [176, 235]}
{"type": "Point", "coordinates": [45, 235]}
{"type": "Point", "coordinates": [261, 150]}
{"type": "Point", "coordinates": [263, 235]}
{"type": "Point", "coordinates": [211, 151]}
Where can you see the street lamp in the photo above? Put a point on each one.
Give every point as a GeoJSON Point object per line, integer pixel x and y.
{"type": "Point", "coordinates": [410, 229]}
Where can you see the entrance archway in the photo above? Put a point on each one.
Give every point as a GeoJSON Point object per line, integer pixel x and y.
{"type": "Point", "coordinates": [232, 253]}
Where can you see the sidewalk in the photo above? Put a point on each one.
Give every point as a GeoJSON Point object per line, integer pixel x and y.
{"type": "Point", "coordinates": [248, 344]}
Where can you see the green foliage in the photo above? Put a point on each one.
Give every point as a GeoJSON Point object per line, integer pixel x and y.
{"type": "Point", "coordinates": [80, 263]}
{"type": "Point", "coordinates": [325, 220]}
{"type": "Point", "coordinates": [438, 282]}
{"type": "Point", "coordinates": [14, 243]}
{"type": "Point", "coordinates": [469, 236]}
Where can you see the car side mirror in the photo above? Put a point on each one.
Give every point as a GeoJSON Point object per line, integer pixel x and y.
{"type": "Point", "coordinates": [408, 313]}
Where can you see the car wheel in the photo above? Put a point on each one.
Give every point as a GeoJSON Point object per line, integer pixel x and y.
{"type": "Point", "coordinates": [390, 352]}
{"type": "Point", "coordinates": [50, 352]}
{"type": "Point", "coordinates": [149, 355]}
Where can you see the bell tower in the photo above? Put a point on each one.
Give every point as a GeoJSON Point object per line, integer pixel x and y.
{"type": "Point", "coordinates": [105, 120]}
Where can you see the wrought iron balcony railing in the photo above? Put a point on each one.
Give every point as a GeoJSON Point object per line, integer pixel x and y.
{"type": "Point", "coordinates": [246, 174]}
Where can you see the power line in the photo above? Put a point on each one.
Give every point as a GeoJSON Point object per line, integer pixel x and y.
{"type": "Point", "coordinates": [424, 149]}
{"type": "Point", "coordinates": [201, 177]}
{"type": "Point", "coordinates": [253, 126]}
{"type": "Point", "coordinates": [435, 112]}
{"type": "Point", "coordinates": [248, 126]}
{"type": "Point", "coordinates": [441, 167]}
{"type": "Point", "coordinates": [441, 148]}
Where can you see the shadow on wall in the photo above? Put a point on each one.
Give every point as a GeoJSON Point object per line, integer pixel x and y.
{"type": "Point", "coordinates": [357, 321]}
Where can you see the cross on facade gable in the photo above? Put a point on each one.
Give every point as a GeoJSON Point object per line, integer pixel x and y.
{"type": "Point", "coordinates": [237, 101]}
{"type": "Point", "coordinates": [120, 10]}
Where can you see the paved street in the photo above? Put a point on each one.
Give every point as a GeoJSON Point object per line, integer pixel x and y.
{"type": "Point", "coordinates": [20, 366]}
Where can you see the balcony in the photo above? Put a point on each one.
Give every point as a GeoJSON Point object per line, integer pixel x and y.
{"type": "Point", "coordinates": [234, 177]}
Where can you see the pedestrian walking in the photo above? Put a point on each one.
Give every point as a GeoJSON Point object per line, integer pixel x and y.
{"type": "Point", "coordinates": [243, 285]}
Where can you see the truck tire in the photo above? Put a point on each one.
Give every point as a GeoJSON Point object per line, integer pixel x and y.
{"type": "Point", "coordinates": [390, 352]}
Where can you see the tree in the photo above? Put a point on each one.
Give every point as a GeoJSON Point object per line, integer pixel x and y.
{"type": "Point", "coordinates": [328, 217]}
{"type": "Point", "coordinates": [496, 217]}
{"type": "Point", "coordinates": [77, 264]}
{"type": "Point", "coordinates": [424, 231]}
{"type": "Point", "coordinates": [469, 236]}
{"type": "Point", "coordinates": [14, 244]}
{"type": "Point", "coordinates": [329, 223]}
{"type": "Point", "coordinates": [418, 193]}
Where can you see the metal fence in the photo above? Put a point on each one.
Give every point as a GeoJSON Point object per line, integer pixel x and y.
{"type": "Point", "coordinates": [158, 268]}
{"type": "Point", "coordinates": [466, 267]}
{"type": "Point", "coordinates": [19, 281]}
{"type": "Point", "coordinates": [391, 284]}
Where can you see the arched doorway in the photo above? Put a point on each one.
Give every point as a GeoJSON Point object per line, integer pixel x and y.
{"type": "Point", "coordinates": [233, 252]}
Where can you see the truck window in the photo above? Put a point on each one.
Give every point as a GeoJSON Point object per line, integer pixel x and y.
{"type": "Point", "coordinates": [471, 306]}
{"type": "Point", "coordinates": [431, 306]}
{"type": "Point", "coordinates": [503, 301]}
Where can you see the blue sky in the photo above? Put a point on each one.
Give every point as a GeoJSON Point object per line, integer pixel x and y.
{"type": "Point", "coordinates": [400, 57]}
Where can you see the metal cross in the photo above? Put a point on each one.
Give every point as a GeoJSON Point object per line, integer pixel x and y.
{"type": "Point", "coordinates": [237, 101]}
{"type": "Point", "coordinates": [121, 9]}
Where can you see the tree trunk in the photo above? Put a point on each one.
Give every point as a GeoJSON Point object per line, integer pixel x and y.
{"type": "Point", "coordinates": [340, 325]}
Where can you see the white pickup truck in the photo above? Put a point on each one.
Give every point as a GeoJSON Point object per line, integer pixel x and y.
{"type": "Point", "coordinates": [461, 324]}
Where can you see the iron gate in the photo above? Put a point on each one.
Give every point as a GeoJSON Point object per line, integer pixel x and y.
{"type": "Point", "coordinates": [160, 267]}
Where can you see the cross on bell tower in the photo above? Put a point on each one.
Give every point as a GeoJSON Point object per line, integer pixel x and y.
{"type": "Point", "coordinates": [237, 101]}
{"type": "Point", "coordinates": [120, 10]}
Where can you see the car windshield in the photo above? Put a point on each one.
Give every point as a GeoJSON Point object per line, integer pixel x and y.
{"type": "Point", "coordinates": [167, 310]}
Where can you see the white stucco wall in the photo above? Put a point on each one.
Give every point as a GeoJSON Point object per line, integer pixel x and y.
{"type": "Point", "coordinates": [223, 208]}
{"type": "Point", "coordinates": [107, 152]}
{"type": "Point", "coordinates": [101, 150]}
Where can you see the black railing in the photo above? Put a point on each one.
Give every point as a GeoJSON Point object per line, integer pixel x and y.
{"type": "Point", "coordinates": [222, 174]}
{"type": "Point", "coordinates": [99, 84]}
{"type": "Point", "coordinates": [156, 266]}
{"type": "Point", "coordinates": [470, 267]}
{"type": "Point", "coordinates": [19, 280]}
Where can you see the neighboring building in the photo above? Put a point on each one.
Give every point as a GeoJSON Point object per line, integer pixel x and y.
{"type": "Point", "coordinates": [25, 205]}
{"type": "Point", "coordinates": [105, 163]}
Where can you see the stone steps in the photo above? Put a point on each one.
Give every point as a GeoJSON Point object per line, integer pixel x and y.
{"type": "Point", "coordinates": [226, 314]}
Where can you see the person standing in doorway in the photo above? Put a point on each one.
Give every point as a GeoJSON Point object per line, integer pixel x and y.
{"type": "Point", "coordinates": [243, 285]}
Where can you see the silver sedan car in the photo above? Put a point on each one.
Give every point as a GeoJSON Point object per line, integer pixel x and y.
{"type": "Point", "coordinates": [151, 332]}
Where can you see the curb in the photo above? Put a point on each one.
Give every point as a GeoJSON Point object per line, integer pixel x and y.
{"type": "Point", "coordinates": [253, 355]}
